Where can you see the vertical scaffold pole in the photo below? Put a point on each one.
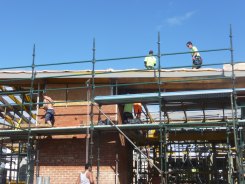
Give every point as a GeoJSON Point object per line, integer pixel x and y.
{"type": "Point", "coordinates": [38, 101]}
{"type": "Point", "coordinates": [165, 154]}
{"type": "Point", "coordinates": [159, 76]}
{"type": "Point", "coordinates": [18, 161]}
{"type": "Point", "coordinates": [235, 129]}
{"type": "Point", "coordinates": [92, 106]}
{"type": "Point", "coordinates": [160, 105]}
{"type": "Point", "coordinates": [11, 162]}
{"type": "Point", "coordinates": [228, 128]}
{"type": "Point", "coordinates": [98, 156]}
{"type": "Point", "coordinates": [235, 119]}
{"type": "Point", "coordinates": [88, 119]}
{"type": "Point", "coordinates": [229, 153]}
{"type": "Point", "coordinates": [37, 159]}
{"type": "Point", "coordinates": [28, 168]}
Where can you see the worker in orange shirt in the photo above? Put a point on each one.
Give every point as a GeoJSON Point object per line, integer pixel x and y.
{"type": "Point", "coordinates": [137, 110]}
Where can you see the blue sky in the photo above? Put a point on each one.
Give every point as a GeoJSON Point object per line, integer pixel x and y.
{"type": "Point", "coordinates": [63, 30]}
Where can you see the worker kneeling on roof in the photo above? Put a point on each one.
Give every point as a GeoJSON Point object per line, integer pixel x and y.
{"type": "Point", "coordinates": [150, 61]}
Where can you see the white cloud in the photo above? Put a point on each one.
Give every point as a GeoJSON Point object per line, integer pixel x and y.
{"type": "Point", "coordinates": [178, 20]}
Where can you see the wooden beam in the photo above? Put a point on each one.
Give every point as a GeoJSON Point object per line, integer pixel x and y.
{"type": "Point", "coordinates": [14, 109]}
{"type": "Point", "coordinates": [25, 107]}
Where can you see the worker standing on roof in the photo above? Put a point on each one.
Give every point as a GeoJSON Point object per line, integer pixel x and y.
{"type": "Point", "coordinates": [196, 57]}
{"type": "Point", "coordinates": [137, 110]}
{"type": "Point", "coordinates": [150, 61]}
{"type": "Point", "coordinates": [49, 108]}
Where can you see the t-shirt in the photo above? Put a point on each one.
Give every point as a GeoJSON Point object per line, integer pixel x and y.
{"type": "Point", "coordinates": [194, 50]}
{"type": "Point", "coordinates": [128, 108]}
{"type": "Point", "coordinates": [137, 107]}
{"type": "Point", "coordinates": [150, 60]}
{"type": "Point", "coordinates": [84, 179]}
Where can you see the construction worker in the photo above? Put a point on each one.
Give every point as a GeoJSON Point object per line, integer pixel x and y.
{"type": "Point", "coordinates": [49, 108]}
{"type": "Point", "coordinates": [137, 110]}
{"type": "Point", "coordinates": [196, 57]}
{"type": "Point", "coordinates": [86, 177]}
{"type": "Point", "coordinates": [127, 113]}
{"type": "Point", "coordinates": [150, 61]}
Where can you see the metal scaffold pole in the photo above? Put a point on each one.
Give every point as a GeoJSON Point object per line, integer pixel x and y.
{"type": "Point", "coordinates": [165, 143]}
{"type": "Point", "coordinates": [28, 168]}
{"type": "Point", "coordinates": [92, 106]}
{"type": "Point", "coordinates": [98, 157]}
{"type": "Point", "coordinates": [37, 159]}
{"type": "Point", "coordinates": [161, 154]}
{"type": "Point", "coordinates": [160, 105]}
{"type": "Point", "coordinates": [130, 141]}
{"type": "Point", "coordinates": [236, 126]}
{"type": "Point", "coordinates": [228, 128]}
{"type": "Point", "coordinates": [18, 161]}
{"type": "Point", "coordinates": [159, 76]}
{"type": "Point", "coordinates": [171, 139]}
{"type": "Point", "coordinates": [229, 154]}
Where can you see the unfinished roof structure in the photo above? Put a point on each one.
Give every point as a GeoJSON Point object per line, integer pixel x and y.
{"type": "Point", "coordinates": [191, 129]}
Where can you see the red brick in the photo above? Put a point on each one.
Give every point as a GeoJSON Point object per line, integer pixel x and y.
{"type": "Point", "coordinates": [63, 159]}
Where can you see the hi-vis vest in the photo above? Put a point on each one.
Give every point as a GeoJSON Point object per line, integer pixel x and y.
{"type": "Point", "coordinates": [150, 61]}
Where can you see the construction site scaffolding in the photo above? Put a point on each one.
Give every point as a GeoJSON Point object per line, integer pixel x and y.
{"type": "Point", "coordinates": [163, 127]}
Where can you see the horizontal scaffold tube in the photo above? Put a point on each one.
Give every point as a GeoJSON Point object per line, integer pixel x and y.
{"type": "Point", "coordinates": [83, 129]}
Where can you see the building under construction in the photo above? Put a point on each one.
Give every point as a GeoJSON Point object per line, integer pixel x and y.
{"type": "Point", "coordinates": [190, 130]}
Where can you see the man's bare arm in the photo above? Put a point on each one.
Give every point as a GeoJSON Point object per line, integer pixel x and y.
{"type": "Point", "coordinates": [91, 178]}
{"type": "Point", "coordinates": [78, 179]}
{"type": "Point", "coordinates": [49, 99]}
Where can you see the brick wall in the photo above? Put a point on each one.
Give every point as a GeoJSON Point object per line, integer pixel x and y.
{"type": "Point", "coordinates": [74, 94]}
{"type": "Point", "coordinates": [75, 113]}
{"type": "Point", "coordinates": [66, 116]}
{"type": "Point", "coordinates": [64, 159]}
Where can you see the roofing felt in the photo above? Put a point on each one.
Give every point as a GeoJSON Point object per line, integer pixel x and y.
{"type": "Point", "coordinates": [130, 73]}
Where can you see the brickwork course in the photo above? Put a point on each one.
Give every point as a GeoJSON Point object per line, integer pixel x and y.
{"type": "Point", "coordinates": [62, 158]}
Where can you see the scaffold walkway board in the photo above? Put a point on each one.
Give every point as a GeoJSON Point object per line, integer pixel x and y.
{"type": "Point", "coordinates": [124, 127]}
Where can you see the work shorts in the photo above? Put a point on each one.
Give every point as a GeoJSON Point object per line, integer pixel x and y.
{"type": "Point", "coordinates": [49, 116]}
{"type": "Point", "coordinates": [197, 62]}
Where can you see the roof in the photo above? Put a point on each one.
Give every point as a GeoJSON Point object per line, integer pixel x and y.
{"type": "Point", "coordinates": [110, 73]}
